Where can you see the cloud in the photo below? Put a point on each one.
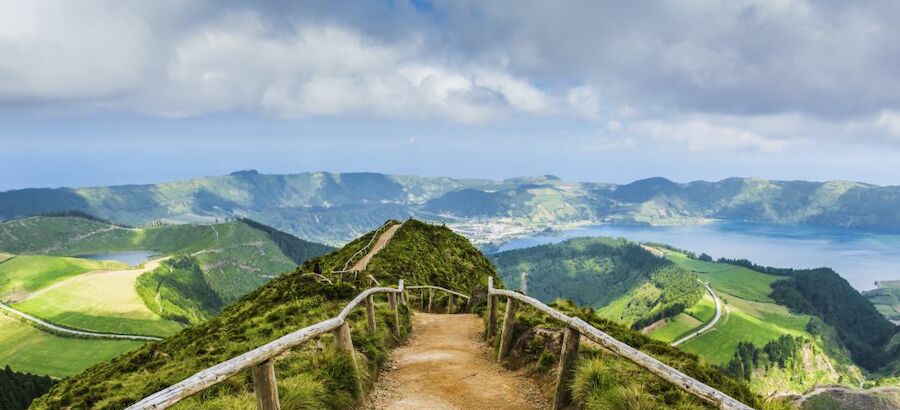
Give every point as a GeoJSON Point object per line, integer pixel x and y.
{"type": "Point", "coordinates": [889, 121]}
{"type": "Point", "coordinates": [702, 135]}
{"type": "Point", "coordinates": [584, 101]}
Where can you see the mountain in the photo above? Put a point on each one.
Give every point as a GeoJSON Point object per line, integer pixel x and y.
{"type": "Point", "coordinates": [317, 376]}
{"type": "Point", "coordinates": [333, 208]}
{"type": "Point", "coordinates": [886, 298]}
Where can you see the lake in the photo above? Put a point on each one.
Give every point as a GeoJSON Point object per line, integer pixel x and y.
{"type": "Point", "coordinates": [131, 258]}
{"type": "Point", "coordinates": [860, 257]}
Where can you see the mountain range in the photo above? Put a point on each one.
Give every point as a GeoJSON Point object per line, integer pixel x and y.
{"type": "Point", "coordinates": [335, 207]}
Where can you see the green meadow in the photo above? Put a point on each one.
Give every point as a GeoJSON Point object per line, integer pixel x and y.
{"type": "Point", "coordinates": [735, 280]}
{"type": "Point", "coordinates": [28, 349]}
{"type": "Point", "coordinates": [676, 327]}
{"type": "Point", "coordinates": [27, 273]}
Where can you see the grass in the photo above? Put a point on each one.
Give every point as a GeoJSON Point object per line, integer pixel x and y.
{"type": "Point", "coordinates": [4, 256]}
{"type": "Point", "coordinates": [745, 321]}
{"type": "Point", "coordinates": [101, 302]}
{"type": "Point", "coordinates": [28, 273]}
{"type": "Point", "coordinates": [704, 310]}
{"type": "Point", "coordinates": [735, 280]}
{"type": "Point", "coordinates": [675, 327]}
{"type": "Point", "coordinates": [27, 349]}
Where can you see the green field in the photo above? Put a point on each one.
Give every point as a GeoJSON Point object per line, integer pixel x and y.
{"type": "Point", "coordinates": [27, 349]}
{"type": "Point", "coordinates": [745, 321]}
{"type": "Point", "coordinates": [28, 273]}
{"type": "Point", "coordinates": [100, 302]}
{"type": "Point", "coordinates": [704, 310]}
{"type": "Point", "coordinates": [735, 280]}
{"type": "Point", "coordinates": [676, 327]}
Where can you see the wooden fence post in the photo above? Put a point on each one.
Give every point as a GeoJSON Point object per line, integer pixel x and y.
{"type": "Point", "coordinates": [265, 386]}
{"type": "Point", "coordinates": [566, 368]}
{"type": "Point", "coordinates": [370, 313]}
{"type": "Point", "coordinates": [430, 298]}
{"type": "Point", "coordinates": [423, 299]}
{"type": "Point", "coordinates": [392, 299]}
{"type": "Point", "coordinates": [492, 316]}
{"type": "Point", "coordinates": [509, 320]}
{"type": "Point", "coordinates": [345, 345]}
{"type": "Point", "coordinates": [450, 303]}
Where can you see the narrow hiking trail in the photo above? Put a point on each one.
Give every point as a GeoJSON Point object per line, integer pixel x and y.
{"type": "Point", "coordinates": [382, 241]}
{"type": "Point", "coordinates": [446, 365]}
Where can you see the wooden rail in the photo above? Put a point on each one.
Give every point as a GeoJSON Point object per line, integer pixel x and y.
{"type": "Point", "coordinates": [575, 327]}
{"type": "Point", "coordinates": [261, 359]}
{"type": "Point", "coordinates": [450, 302]}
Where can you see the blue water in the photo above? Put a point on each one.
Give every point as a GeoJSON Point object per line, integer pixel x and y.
{"type": "Point", "coordinates": [131, 258]}
{"type": "Point", "coordinates": [860, 257]}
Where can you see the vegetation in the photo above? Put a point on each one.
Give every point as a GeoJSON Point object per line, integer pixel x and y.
{"type": "Point", "coordinates": [778, 352]}
{"type": "Point", "coordinates": [862, 329]}
{"type": "Point", "coordinates": [312, 376]}
{"type": "Point", "coordinates": [177, 290]}
{"type": "Point", "coordinates": [17, 390]}
{"type": "Point", "coordinates": [28, 273]}
{"type": "Point", "coordinates": [604, 380]}
{"type": "Point", "coordinates": [635, 287]}
{"type": "Point", "coordinates": [28, 349]}
{"type": "Point", "coordinates": [886, 299]}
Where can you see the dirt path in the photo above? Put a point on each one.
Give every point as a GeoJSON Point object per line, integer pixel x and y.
{"type": "Point", "coordinates": [447, 366]}
{"type": "Point", "coordinates": [382, 241]}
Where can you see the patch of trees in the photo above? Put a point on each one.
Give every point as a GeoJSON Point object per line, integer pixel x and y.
{"type": "Point", "coordinates": [294, 248]}
{"type": "Point", "coordinates": [748, 357]}
{"type": "Point", "coordinates": [668, 311]}
{"type": "Point", "coordinates": [18, 390]}
{"type": "Point", "coordinates": [861, 328]}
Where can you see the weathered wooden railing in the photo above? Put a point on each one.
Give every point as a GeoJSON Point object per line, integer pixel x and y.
{"type": "Point", "coordinates": [262, 359]}
{"type": "Point", "coordinates": [575, 328]}
{"type": "Point", "coordinates": [431, 289]}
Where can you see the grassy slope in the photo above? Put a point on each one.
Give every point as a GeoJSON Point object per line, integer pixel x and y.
{"type": "Point", "coordinates": [28, 349]}
{"type": "Point", "coordinates": [100, 301]}
{"type": "Point", "coordinates": [886, 299]}
{"type": "Point", "coordinates": [287, 303]}
{"type": "Point", "coordinates": [735, 280]}
{"type": "Point", "coordinates": [686, 322]}
{"type": "Point", "coordinates": [28, 273]}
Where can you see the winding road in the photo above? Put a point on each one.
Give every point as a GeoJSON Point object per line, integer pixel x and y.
{"type": "Point", "coordinates": [708, 325]}
{"type": "Point", "coordinates": [77, 333]}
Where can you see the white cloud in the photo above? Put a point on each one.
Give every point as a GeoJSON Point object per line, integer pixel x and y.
{"type": "Point", "coordinates": [889, 121]}
{"type": "Point", "coordinates": [702, 135]}
{"type": "Point", "coordinates": [583, 100]}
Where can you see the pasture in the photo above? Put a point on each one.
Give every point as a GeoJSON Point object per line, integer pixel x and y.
{"type": "Point", "coordinates": [28, 273]}
{"type": "Point", "coordinates": [27, 349]}
{"type": "Point", "coordinates": [735, 280]}
{"type": "Point", "coordinates": [98, 301]}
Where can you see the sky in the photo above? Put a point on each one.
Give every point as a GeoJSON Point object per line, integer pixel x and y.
{"type": "Point", "coordinates": [100, 92]}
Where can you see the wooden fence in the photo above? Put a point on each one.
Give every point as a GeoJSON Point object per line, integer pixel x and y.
{"type": "Point", "coordinates": [575, 328]}
{"type": "Point", "coordinates": [262, 359]}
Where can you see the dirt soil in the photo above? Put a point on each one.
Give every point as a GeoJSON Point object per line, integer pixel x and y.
{"type": "Point", "coordinates": [446, 365]}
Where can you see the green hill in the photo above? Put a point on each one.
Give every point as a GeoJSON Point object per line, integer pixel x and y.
{"type": "Point", "coordinates": [886, 299]}
{"type": "Point", "coordinates": [625, 281]}
{"type": "Point", "coordinates": [204, 267]}
{"type": "Point", "coordinates": [629, 285]}
{"type": "Point", "coordinates": [333, 208]}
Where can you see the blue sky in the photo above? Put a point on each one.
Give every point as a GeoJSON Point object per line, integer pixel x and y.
{"type": "Point", "coordinates": [111, 92]}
